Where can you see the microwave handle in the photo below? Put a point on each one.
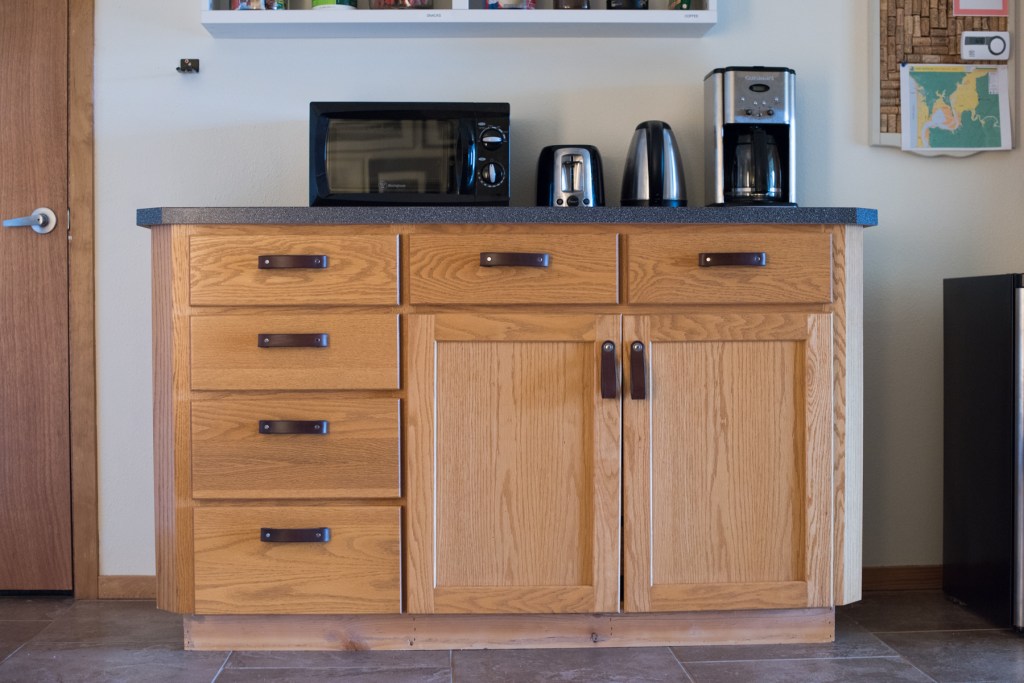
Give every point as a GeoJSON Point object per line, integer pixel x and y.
{"type": "Point", "coordinates": [465, 160]}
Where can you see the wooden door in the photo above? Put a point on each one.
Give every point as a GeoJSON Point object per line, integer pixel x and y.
{"type": "Point", "coordinates": [35, 486]}
{"type": "Point", "coordinates": [727, 463]}
{"type": "Point", "coordinates": [513, 460]}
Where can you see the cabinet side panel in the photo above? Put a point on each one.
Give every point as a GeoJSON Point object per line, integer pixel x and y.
{"type": "Point", "coordinates": [848, 382]}
{"type": "Point", "coordinates": [171, 420]}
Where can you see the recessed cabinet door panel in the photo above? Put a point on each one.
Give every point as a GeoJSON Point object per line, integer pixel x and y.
{"type": "Point", "coordinates": [360, 351]}
{"type": "Point", "coordinates": [728, 486]}
{"type": "Point", "coordinates": [513, 465]}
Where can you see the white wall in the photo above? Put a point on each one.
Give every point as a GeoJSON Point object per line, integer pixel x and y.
{"type": "Point", "coordinates": [235, 135]}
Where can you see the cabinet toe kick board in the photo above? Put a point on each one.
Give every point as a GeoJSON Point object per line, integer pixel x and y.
{"type": "Point", "coordinates": [450, 632]}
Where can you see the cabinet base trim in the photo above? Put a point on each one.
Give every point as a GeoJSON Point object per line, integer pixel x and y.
{"type": "Point", "coordinates": [446, 632]}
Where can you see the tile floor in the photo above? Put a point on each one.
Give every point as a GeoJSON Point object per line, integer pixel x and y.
{"type": "Point", "coordinates": [889, 636]}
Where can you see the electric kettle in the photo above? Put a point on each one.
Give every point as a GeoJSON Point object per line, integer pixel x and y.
{"type": "Point", "coordinates": [654, 169]}
{"type": "Point", "coordinates": [756, 169]}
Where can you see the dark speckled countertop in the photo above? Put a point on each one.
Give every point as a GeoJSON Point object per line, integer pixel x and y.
{"type": "Point", "coordinates": [305, 215]}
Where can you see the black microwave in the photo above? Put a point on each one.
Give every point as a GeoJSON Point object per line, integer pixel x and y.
{"type": "Point", "coordinates": [408, 153]}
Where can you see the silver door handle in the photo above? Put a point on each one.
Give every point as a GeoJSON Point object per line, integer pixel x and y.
{"type": "Point", "coordinates": [41, 220]}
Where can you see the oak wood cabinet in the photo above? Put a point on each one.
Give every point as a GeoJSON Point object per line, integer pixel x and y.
{"type": "Point", "coordinates": [621, 435]}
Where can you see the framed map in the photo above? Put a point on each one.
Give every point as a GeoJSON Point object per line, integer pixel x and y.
{"type": "Point", "coordinates": [955, 108]}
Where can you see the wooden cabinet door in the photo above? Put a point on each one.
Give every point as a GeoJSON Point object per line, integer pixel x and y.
{"type": "Point", "coordinates": [514, 465]}
{"type": "Point", "coordinates": [727, 467]}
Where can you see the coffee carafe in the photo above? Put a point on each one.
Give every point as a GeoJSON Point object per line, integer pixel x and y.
{"type": "Point", "coordinates": [750, 136]}
{"type": "Point", "coordinates": [756, 168]}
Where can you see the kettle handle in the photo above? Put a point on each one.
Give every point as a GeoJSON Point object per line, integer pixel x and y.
{"type": "Point", "coordinates": [656, 161]}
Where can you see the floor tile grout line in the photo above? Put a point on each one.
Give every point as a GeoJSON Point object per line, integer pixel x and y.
{"type": "Point", "coordinates": [946, 630]}
{"type": "Point", "coordinates": [915, 667]}
{"type": "Point", "coordinates": [12, 652]}
{"type": "Point", "coordinates": [682, 666]}
{"type": "Point", "coordinates": [895, 655]}
{"type": "Point", "coordinates": [222, 666]}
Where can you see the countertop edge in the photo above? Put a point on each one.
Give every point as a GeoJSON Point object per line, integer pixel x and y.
{"type": "Point", "coordinates": [305, 215]}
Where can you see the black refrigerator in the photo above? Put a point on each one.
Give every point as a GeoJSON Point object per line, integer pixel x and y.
{"type": "Point", "coordinates": [983, 459]}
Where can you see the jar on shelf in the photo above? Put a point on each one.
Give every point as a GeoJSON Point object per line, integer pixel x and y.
{"type": "Point", "coordinates": [401, 4]}
{"type": "Point", "coordinates": [511, 4]}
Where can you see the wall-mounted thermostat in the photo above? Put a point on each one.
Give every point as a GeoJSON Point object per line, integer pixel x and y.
{"type": "Point", "coordinates": [985, 45]}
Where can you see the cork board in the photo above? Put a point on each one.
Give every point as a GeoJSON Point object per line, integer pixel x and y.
{"type": "Point", "coordinates": [916, 32]}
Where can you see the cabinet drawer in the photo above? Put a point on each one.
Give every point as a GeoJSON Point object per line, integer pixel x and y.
{"type": "Point", "coordinates": [355, 571]}
{"type": "Point", "coordinates": [664, 268]}
{"type": "Point", "coordinates": [361, 351]}
{"type": "Point", "coordinates": [581, 269]}
{"type": "Point", "coordinates": [317, 447]}
{"type": "Point", "coordinates": [329, 269]}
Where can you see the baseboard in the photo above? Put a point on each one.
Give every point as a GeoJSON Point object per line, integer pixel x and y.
{"type": "Point", "coordinates": [904, 578]}
{"type": "Point", "coordinates": [127, 587]}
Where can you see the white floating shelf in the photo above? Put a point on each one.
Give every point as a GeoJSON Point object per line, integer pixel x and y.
{"type": "Point", "coordinates": [368, 23]}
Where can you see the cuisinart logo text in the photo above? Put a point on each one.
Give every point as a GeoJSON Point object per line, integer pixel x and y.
{"type": "Point", "coordinates": [759, 78]}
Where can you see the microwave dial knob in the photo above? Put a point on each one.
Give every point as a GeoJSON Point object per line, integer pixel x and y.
{"type": "Point", "coordinates": [492, 174]}
{"type": "Point", "coordinates": [492, 138]}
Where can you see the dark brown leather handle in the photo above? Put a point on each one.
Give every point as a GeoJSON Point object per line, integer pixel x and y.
{"type": "Point", "coordinates": [275, 261]}
{"type": "Point", "coordinates": [315, 535]}
{"type": "Point", "coordinates": [755, 259]}
{"type": "Point", "coordinates": [293, 426]}
{"type": "Point", "coordinates": [491, 259]}
{"type": "Point", "coordinates": [609, 374]}
{"type": "Point", "coordinates": [283, 341]}
{"type": "Point", "coordinates": [637, 372]}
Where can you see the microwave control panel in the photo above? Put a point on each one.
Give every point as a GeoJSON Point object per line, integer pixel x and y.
{"type": "Point", "coordinates": [492, 159]}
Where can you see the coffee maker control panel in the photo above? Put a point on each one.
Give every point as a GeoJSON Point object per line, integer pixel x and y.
{"type": "Point", "coordinates": [758, 97]}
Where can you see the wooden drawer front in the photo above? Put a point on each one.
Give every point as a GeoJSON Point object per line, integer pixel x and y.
{"type": "Point", "coordinates": [357, 457]}
{"type": "Point", "coordinates": [362, 352]}
{"type": "Point", "coordinates": [361, 269]}
{"type": "Point", "coordinates": [445, 269]}
{"type": "Point", "coordinates": [663, 268]}
{"type": "Point", "coordinates": [356, 571]}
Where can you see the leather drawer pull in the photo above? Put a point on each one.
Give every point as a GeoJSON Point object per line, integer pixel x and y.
{"type": "Point", "coordinates": [637, 372]}
{"type": "Point", "coordinates": [317, 535]}
{"type": "Point", "coordinates": [273, 262]}
{"type": "Point", "coordinates": [293, 426]}
{"type": "Point", "coordinates": [491, 259]}
{"type": "Point", "coordinates": [756, 259]}
{"type": "Point", "coordinates": [278, 341]}
{"type": "Point", "coordinates": [609, 376]}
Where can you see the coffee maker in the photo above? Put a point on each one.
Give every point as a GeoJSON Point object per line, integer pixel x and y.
{"type": "Point", "coordinates": [750, 136]}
